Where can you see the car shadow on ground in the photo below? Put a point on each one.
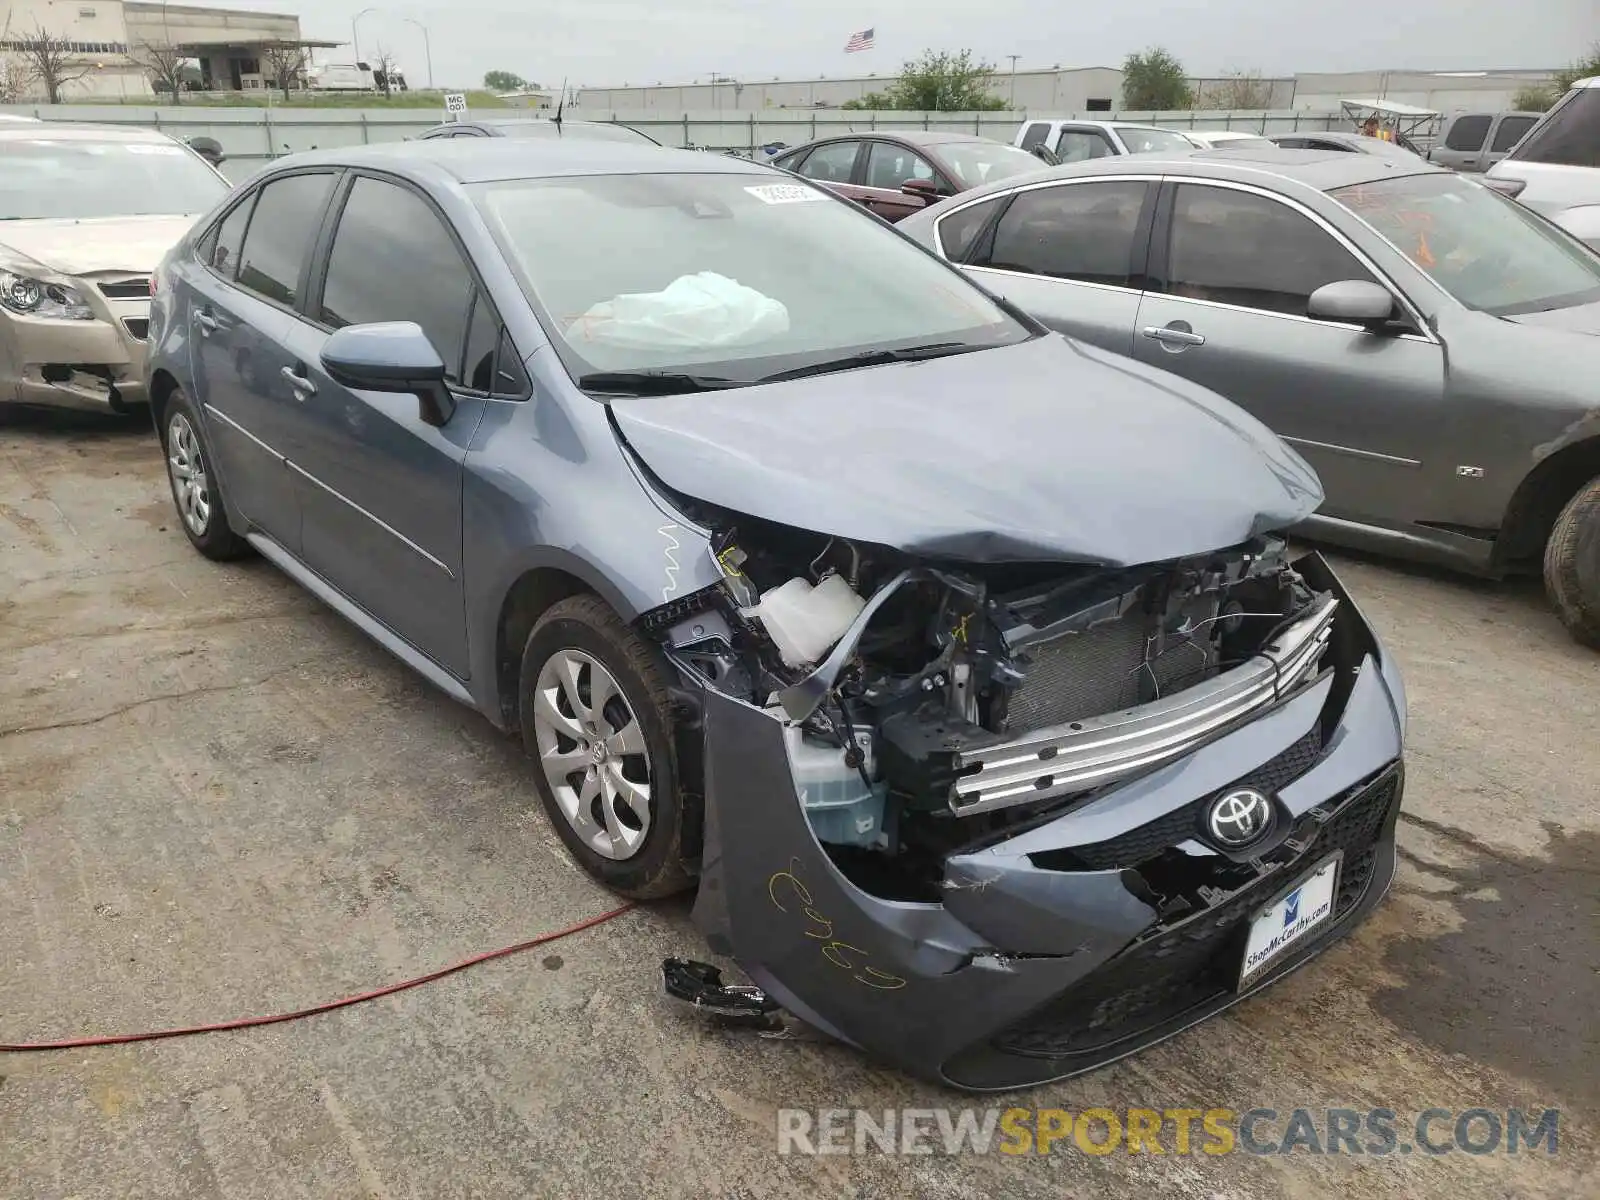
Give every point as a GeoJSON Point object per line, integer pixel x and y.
{"type": "Point", "coordinates": [20, 419]}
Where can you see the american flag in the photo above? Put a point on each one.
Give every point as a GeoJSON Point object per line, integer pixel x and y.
{"type": "Point", "coordinates": [859, 41]}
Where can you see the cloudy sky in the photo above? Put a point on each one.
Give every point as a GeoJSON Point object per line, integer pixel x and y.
{"type": "Point", "coordinates": [597, 42]}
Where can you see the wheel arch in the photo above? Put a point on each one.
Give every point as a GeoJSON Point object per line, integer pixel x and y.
{"type": "Point", "coordinates": [162, 384]}
{"type": "Point", "coordinates": [1538, 501]}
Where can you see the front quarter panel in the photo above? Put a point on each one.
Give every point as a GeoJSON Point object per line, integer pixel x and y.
{"type": "Point", "coordinates": [548, 486]}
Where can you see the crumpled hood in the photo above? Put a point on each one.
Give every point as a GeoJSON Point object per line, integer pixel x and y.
{"type": "Point", "coordinates": [71, 247]}
{"type": "Point", "coordinates": [1047, 450]}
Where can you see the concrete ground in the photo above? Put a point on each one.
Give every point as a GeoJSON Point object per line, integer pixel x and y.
{"type": "Point", "coordinates": [217, 799]}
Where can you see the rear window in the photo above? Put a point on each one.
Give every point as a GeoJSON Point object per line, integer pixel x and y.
{"type": "Point", "coordinates": [1569, 133]}
{"type": "Point", "coordinates": [1467, 133]}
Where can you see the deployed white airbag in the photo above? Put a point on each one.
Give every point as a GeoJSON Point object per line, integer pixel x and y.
{"type": "Point", "coordinates": [703, 310]}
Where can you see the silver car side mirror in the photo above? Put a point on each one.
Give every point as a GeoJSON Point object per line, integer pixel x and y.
{"type": "Point", "coordinates": [1358, 301]}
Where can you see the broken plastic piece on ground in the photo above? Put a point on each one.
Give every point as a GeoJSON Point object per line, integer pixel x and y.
{"type": "Point", "coordinates": [700, 984]}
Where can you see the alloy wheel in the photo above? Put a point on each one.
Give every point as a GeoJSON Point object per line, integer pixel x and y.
{"type": "Point", "coordinates": [593, 753]}
{"type": "Point", "coordinates": [188, 470]}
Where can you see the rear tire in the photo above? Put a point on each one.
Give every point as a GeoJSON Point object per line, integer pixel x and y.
{"type": "Point", "coordinates": [606, 771]}
{"type": "Point", "coordinates": [1572, 565]}
{"type": "Point", "coordinates": [196, 490]}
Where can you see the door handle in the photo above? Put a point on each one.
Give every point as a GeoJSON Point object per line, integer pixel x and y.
{"type": "Point", "coordinates": [1176, 337]}
{"type": "Point", "coordinates": [302, 386]}
{"type": "Point", "coordinates": [206, 323]}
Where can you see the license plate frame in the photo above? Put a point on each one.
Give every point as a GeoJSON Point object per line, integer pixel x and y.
{"type": "Point", "coordinates": [1324, 878]}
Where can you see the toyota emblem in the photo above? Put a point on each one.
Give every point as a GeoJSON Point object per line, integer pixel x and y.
{"type": "Point", "coordinates": [1239, 817]}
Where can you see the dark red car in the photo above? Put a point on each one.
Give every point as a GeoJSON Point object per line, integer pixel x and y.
{"type": "Point", "coordinates": [897, 172]}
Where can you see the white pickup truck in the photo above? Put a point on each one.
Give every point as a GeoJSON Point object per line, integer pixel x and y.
{"type": "Point", "coordinates": [1555, 168]}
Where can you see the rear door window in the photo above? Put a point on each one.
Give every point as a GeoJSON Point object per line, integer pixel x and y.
{"type": "Point", "coordinates": [287, 217]}
{"type": "Point", "coordinates": [220, 251]}
{"type": "Point", "coordinates": [1081, 231]}
{"type": "Point", "coordinates": [960, 230]}
{"type": "Point", "coordinates": [1468, 133]}
{"type": "Point", "coordinates": [831, 163]}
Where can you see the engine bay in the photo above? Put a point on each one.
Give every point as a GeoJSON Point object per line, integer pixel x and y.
{"type": "Point", "coordinates": [929, 706]}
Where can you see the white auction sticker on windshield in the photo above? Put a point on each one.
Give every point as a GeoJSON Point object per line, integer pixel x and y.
{"type": "Point", "coordinates": [785, 193]}
{"type": "Point", "coordinates": [145, 148]}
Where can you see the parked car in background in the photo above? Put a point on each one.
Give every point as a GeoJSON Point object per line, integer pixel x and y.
{"type": "Point", "coordinates": [1225, 139]}
{"type": "Point", "coordinates": [1476, 141]}
{"type": "Point", "coordinates": [85, 215]}
{"type": "Point", "coordinates": [897, 172]}
{"type": "Point", "coordinates": [1342, 142]}
{"type": "Point", "coordinates": [1430, 346]}
{"type": "Point", "coordinates": [1555, 169]}
{"type": "Point", "coordinates": [1078, 141]}
{"type": "Point", "coordinates": [805, 572]}
{"type": "Point", "coordinates": [538, 127]}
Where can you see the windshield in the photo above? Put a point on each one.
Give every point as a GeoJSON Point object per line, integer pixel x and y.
{"type": "Point", "coordinates": [1488, 252]}
{"type": "Point", "coordinates": [79, 180]}
{"type": "Point", "coordinates": [984, 162]}
{"type": "Point", "coordinates": [736, 276]}
{"type": "Point", "coordinates": [1142, 141]}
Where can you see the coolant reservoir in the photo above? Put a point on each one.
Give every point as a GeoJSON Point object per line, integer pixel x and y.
{"type": "Point", "coordinates": [804, 621]}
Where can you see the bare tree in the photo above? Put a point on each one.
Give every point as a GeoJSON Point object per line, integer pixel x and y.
{"type": "Point", "coordinates": [384, 68]}
{"type": "Point", "coordinates": [51, 61]}
{"type": "Point", "coordinates": [1238, 89]}
{"type": "Point", "coordinates": [15, 75]}
{"type": "Point", "coordinates": [284, 63]}
{"type": "Point", "coordinates": [165, 64]}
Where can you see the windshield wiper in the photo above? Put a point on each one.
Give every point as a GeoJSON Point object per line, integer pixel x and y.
{"type": "Point", "coordinates": [654, 383]}
{"type": "Point", "coordinates": [874, 358]}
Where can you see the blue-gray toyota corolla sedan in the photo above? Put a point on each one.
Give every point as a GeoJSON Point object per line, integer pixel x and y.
{"type": "Point", "coordinates": [956, 663]}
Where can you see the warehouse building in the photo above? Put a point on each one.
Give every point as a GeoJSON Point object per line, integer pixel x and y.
{"type": "Point", "coordinates": [105, 38]}
{"type": "Point", "coordinates": [1079, 91]}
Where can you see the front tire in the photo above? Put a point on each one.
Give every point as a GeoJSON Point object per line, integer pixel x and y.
{"type": "Point", "coordinates": [1572, 565]}
{"type": "Point", "coordinates": [597, 719]}
{"type": "Point", "coordinates": [196, 491]}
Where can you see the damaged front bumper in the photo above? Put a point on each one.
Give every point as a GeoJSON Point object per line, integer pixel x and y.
{"type": "Point", "coordinates": [90, 365]}
{"type": "Point", "coordinates": [1086, 936]}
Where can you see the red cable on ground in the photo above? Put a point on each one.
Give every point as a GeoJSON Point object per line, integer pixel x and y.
{"type": "Point", "coordinates": [278, 1018]}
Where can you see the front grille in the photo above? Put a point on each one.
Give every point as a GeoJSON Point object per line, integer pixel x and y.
{"type": "Point", "coordinates": [1195, 961]}
{"type": "Point", "coordinates": [126, 289]}
{"type": "Point", "coordinates": [139, 327]}
{"type": "Point", "coordinates": [1147, 841]}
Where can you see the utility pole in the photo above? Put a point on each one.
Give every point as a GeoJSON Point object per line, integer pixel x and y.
{"type": "Point", "coordinates": [427, 47]}
{"type": "Point", "coordinates": [1013, 58]}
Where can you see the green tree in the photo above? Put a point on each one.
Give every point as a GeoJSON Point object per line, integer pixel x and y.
{"type": "Point", "coordinates": [504, 81]}
{"type": "Point", "coordinates": [1153, 81]}
{"type": "Point", "coordinates": [869, 101]}
{"type": "Point", "coordinates": [940, 81]}
{"type": "Point", "coordinates": [1538, 99]}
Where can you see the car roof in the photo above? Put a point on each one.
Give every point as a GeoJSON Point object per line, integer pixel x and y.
{"type": "Point", "coordinates": [483, 160]}
{"type": "Point", "coordinates": [1321, 170]}
{"type": "Point", "coordinates": [60, 131]}
{"type": "Point", "coordinates": [912, 137]}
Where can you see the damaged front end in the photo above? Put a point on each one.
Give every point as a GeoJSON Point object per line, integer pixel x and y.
{"type": "Point", "coordinates": [957, 814]}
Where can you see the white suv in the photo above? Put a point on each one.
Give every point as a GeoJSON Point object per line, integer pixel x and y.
{"type": "Point", "coordinates": [1555, 169]}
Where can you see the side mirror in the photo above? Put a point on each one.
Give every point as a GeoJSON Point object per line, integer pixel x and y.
{"type": "Point", "coordinates": [1358, 301]}
{"type": "Point", "coordinates": [925, 190]}
{"type": "Point", "coordinates": [393, 356]}
{"type": "Point", "coordinates": [1045, 155]}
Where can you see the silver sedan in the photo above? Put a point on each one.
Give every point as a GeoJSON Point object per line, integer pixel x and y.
{"type": "Point", "coordinates": [1428, 345]}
